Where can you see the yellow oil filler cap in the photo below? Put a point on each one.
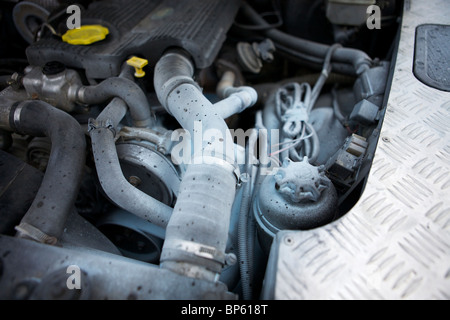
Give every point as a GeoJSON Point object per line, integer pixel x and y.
{"type": "Point", "coordinates": [138, 64]}
{"type": "Point", "coordinates": [85, 35]}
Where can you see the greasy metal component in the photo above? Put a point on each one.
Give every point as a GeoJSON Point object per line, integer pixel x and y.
{"type": "Point", "coordinates": [394, 243]}
{"type": "Point", "coordinates": [160, 137]}
{"type": "Point", "coordinates": [251, 56]}
{"type": "Point", "coordinates": [56, 88]}
{"type": "Point", "coordinates": [154, 174]}
{"type": "Point", "coordinates": [8, 98]}
{"type": "Point", "coordinates": [111, 277]}
{"type": "Point", "coordinates": [15, 81]}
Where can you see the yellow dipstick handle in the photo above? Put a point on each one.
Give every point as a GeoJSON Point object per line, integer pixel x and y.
{"type": "Point", "coordinates": [138, 64]}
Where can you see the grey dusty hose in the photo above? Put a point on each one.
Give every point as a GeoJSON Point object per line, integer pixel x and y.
{"type": "Point", "coordinates": [113, 112]}
{"type": "Point", "coordinates": [122, 88]}
{"type": "Point", "coordinates": [45, 220]}
{"type": "Point", "coordinates": [102, 132]}
{"type": "Point", "coordinates": [114, 183]}
{"type": "Point", "coordinates": [359, 60]}
{"type": "Point", "coordinates": [235, 100]}
{"type": "Point", "coordinates": [197, 232]}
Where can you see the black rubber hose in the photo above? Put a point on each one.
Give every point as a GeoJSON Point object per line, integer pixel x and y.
{"type": "Point", "coordinates": [6, 140]}
{"type": "Point", "coordinates": [45, 219]}
{"type": "Point", "coordinates": [122, 88]}
{"type": "Point", "coordinates": [356, 58]}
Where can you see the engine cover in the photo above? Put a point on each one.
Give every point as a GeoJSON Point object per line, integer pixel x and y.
{"type": "Point", "coordinates": [143, 28]}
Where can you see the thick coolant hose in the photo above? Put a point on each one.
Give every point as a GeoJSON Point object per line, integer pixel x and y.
{"type": "Point", "coordinates": [114, 112]}
{"type": "Point", "coordinates": [122, 88]}
{"type": "Point", "coordinates": [102, 131]}
{"type": "Point", "coordinates": [45, 219]}
{"type": "Point", "coordinates": [358, 59]}
{"type": "Point", "coordinates": [118, 189]}
{"type": "Point", "coordinates": [197, 233]}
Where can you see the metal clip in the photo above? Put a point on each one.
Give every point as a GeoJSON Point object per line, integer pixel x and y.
{"type": "Point", "coordinates": [106, 124]}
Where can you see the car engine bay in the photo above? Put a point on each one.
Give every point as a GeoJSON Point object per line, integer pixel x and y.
{"type": "Point", "coordinates": [162, 145]}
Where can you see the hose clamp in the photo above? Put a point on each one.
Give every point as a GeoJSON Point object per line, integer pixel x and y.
{"type": "Point", "coordinates": [218, 161]}
{"type": "Point", "coordinates": [26, 230]}
{"type": "Point", "coordinates": [200, 250]}
{"type": "Point", "coordinates": [101, 124]}
{"type": "Point", "coordinates": [14, 115]}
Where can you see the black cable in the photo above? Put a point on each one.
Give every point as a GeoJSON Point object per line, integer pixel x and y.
{"type": "Point", "coordinates": [357, 59]}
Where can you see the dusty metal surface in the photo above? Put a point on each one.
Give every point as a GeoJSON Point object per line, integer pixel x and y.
{"type": "Point", "coordinates": [395, 243]}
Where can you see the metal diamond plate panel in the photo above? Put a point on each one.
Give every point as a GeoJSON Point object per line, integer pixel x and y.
{"type": "Point", "coordinates": [395, 243]}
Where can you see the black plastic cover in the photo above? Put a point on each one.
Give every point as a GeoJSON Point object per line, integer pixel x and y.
{"type": "Point", "coordinates": [145, 28]}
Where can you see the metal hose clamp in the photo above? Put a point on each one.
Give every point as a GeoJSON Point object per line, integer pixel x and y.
{"type": "Point", "coordinates": [26, 230]}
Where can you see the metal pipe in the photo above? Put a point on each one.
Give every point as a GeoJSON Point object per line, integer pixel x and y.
{"type": "Point", "coordinates": [45, 220]}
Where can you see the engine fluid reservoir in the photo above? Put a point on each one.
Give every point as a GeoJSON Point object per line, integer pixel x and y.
{"type": "Point", "coordinates": [297, 197]}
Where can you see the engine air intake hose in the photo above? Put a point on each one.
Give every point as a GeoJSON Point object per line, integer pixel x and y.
{"type": "Point", "coordinates": [197, 232]}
